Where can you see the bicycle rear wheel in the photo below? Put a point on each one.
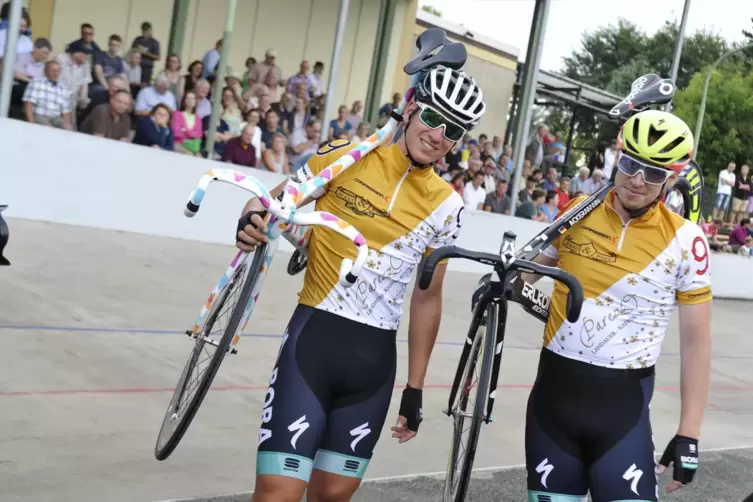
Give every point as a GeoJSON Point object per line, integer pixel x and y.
{"type": "Point", "coordinates": [470, 406]}
{"type": "Point", "coordinates": [209, 352]}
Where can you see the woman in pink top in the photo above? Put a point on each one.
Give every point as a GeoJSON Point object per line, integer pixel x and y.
{"type": "Point", "coordinates": [187, 127]}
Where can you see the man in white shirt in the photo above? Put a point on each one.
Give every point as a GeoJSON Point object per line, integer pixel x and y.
{"type": "Point", "coordinates": [76, 75]}
{"type": "Point", "coordinates": [474, 194]}
{"type": "Point", "coordinates": [158, 93]}
{"type": "Point", "coordinates": [610, 155]}
{"type": "Point", "coordinates": [24, 44]}
{"type": "Point", "coordinates": [305, 142]}
{"type": "Point", "coordinates": [724, 191]}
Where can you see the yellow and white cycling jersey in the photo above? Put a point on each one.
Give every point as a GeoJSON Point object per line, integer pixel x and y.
{"type": "Point", "coordinates": [633, 278]}
{"type": "Point", "coordinates": [403, 212]}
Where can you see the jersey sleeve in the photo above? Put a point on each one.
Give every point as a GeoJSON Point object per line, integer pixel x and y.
{"type": "Point", "coordinates": [449, 230]}
{"type": "Point", "coordinates": [553, 250]}
{"type": "Point", "coordinates": [694, 276]}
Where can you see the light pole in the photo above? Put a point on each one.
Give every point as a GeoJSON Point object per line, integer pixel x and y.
{"type": "Point", "coordinates": [702, 107]}
{"type": "Point", "coordinates": [678, 49]}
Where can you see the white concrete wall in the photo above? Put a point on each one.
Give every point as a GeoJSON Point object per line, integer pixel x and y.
{"type": "Point", "coordinates": [64, 177]}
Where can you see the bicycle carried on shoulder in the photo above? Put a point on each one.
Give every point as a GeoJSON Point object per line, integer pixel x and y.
{"type": "Point", "coordinates": [472, 392]}
{"type": "Point", "coordinates": [216, 331]}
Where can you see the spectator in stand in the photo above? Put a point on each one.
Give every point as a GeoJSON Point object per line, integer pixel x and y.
{"type": "Point", "coordinates": [579, 183]}
{"type": "Point", "coordinates": [75, 75]}
{"type": "Point", "coordinates": [711, 231]}
{"type": "Point", "coordinates": [497, 201]}
{"type": "Point", "coordinates": [28, 67]}
{"type": "Point", "coordinates": [114, 84]}
{"type": "Point", "coordinates": [595, 183]}
{"type": "Point", "coordinates": [133, 72]}
{"type": "Point", "coordinates": [737, 235]}
{"type": "Point", "coordinates": [340, 125]}
{"type": "Point", "coordinates": [538, 175]}
{"type": "Point", "coordinates": [302, 77]}
{"type": "Point", "coordinates": [296, 120]}
{"type": "Point", "coordinates": [306, 142]}
{"type": "Point", "coordinates": [491, 175]}
{"type": "Point", "coordinates": [245, 82]}
{"type": "Point", "coordinates": [531, 209]}
{"type": "Point", "coordinates": [740, 194]}
{"type": "Point", "coordinates": [108, 64]}
{"type": "Point", "coordinates": [355, 117]}
{"type": "Point", "coordinates": [458, 183]}
{"type": "Point", "coordinates": [285, 107]}
{"type": "Point", "coordinates": [203, 106]}
{"type": "Point", "coordinates": [265, 105]}
{"type": "Point", "coordinates": [210, 61]}
{"type": "Point", "coordinates": [187, 126]}
{"type": "Point", "coordinates": [24, 43]}
{"type": "Point", "coordinates": [240, 150]}
{"type": "Point", "coordinates": [362, 133]}
{"type": "Point", "coordinates": [724, 190]}
{"type": "Point", "coordinates": [453, 158]}
{"type": "Point", "coordinates": [87, 37]}
{"type": "Point", "coordinates": [233, 82]}
{"type": "Point", "coordinates": [172, 72]}
{"type": "Point", "coordinates": [189, 80]}
{"type": "Point", "coordinates": [496, 150]}
{"type": "Point", "coordinates": [46, 101]}
{"type": "Point", "coordinates": [563, 193]}
{"type": "Point", "coordinates": [536, 147]}
{"type": "Point", "coordinates": [550, 182]}
{"type": "Point", "coordinates": [275, 158]}
{"type": "Point", "coordinates": [549, 208]}
{"type": "Point", "coordinates": [155, 130]}
{"type": "Point", "coordinates": [150, 52]}
{"type": "Point", "coordinates": [610, 156]}
{"type": "Point", "coordinates": [221, 137]}
{"type": "Point", "coordinates": [231, 113]}
{"type": "Point", "coordinates": [474, 193]}
{"type": "Point", "coordinates": [269, 127]}
{"type": "Point", "coordinates": [317, 79]}
{"type": "Point", "coordinates": [508, 156]}
{"type": "Point", "coordinates": [149, 97]}
{"type": "Point", "coordinates": [386, 110]}
{"type": "Point", "coordinates": [526, 193]}
{"type": "Point", "coordinates": [260, 71]}
{"type": "Point", "coordinates": [110, 120]}
{"type": "Point", "coordinates": [252, 120]}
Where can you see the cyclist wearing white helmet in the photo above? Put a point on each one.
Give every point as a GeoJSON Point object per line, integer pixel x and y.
{"type": "Point", "coordinates": [331, 386]}
{"type": "Point", "coordinates": [587, 426]}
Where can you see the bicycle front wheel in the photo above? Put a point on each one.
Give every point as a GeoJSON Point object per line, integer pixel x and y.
{"type": "Point", "coordinates": [212, 342]}
{"type": "Point", "coordinates": [468, 410]}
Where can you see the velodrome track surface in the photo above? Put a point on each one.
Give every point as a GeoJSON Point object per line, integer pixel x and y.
{"type": "Point", "coordinates": [90, 329]}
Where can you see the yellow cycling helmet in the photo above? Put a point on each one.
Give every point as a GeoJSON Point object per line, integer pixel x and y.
{"type": "Point", "coordinates": [659, 138]}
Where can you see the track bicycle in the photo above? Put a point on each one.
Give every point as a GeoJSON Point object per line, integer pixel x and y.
{"type": "Point", "coordinates": [472, 392]}
{"type": "Point", "coordinates": [216, 331]}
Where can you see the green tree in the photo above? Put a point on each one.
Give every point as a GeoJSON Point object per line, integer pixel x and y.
{"type": "Point", "coordinates": [431, 10]}
{"type": "Point", "coordinates": [727, 127]}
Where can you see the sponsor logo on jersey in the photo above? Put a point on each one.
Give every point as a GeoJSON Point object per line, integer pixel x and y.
{"type": "Point", "coordinates": [359, 205]}
{"type": "Point", "coordinates": [612, 238]}
{"type": "Point", "coordinates": [363, 183]}
{"type": "Point", "coordinates": [588, 250]}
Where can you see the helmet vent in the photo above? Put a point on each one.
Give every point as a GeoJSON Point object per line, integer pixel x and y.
{"type": "Point", "coordinates": [674, 144]}
{"type": "Point", "coordinates": [654, 135]}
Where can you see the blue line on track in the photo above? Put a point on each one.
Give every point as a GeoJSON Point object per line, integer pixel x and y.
{"type": "Point", "coordinates": [140, 331]}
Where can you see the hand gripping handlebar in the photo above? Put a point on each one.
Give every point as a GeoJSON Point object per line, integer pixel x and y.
{"type": "Point", "coordinates": [507, 264]}
{"type": "Point", "coordinates": [349, 270]}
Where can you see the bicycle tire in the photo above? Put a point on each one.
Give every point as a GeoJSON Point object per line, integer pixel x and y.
{"type": "Point", "coordinates": [165, 446]}
{"type": "Point", "coordinates": [487, 358]}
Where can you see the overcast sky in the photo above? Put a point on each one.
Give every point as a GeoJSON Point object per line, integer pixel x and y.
{"type": "Point", "coordinates": [509, 21]}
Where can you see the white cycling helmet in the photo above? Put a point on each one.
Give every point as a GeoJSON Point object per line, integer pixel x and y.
{"type": "Point", "coordinates": [454, 93]}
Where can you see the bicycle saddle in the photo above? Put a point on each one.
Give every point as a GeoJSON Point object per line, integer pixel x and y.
{"type": "Point", "coordinates": [645, 91]}
{"type": "Point", "coordinates": [435, 49]}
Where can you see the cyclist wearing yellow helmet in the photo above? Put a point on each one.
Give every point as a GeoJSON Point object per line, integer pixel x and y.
{"type": "Point", "coordinates": [588, 427]}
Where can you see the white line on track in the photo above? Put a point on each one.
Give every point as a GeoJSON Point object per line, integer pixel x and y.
{"type": "Point", "coordinates": [441, 473]}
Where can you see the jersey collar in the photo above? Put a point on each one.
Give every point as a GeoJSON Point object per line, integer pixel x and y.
{"type": "Point", "coordinates": [644, 218]}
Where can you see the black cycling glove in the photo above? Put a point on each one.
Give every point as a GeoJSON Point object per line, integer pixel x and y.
{"type": "Point", "coordinates": [411, 407]}
{"type": "Point", "coordinates": [246, 220]}
{"type": "Point", "coordinates": [683, 452]}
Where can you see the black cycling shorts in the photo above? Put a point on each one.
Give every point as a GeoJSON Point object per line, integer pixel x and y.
{"type": "Point", "coordinates": [328, 396]}
{"type": "Point", "coordinates": [588, 430]}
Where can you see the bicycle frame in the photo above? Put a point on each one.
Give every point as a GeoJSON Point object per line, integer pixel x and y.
{"type": "Point", "coordinates": [282, 213]}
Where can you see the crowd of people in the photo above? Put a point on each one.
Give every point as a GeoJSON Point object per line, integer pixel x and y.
{"type": "Point", "coordinates": [733, 210]}
{"type": "Point", "coordinates": [127, 93]}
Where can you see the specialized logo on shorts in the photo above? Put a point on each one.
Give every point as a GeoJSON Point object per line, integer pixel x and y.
{"type": "Point", "coordinates": [299, 427]}
{"type": "Point", "coordinates": [359, 433]}
{"type": "Point", "coordinates": [544, 468]}
{"type": "Point", "coordinates": [633, 474]}
{"type": "Point", "coordinates": [588, 250]}
{"type": "Point", "coordinates": [359, 205]}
